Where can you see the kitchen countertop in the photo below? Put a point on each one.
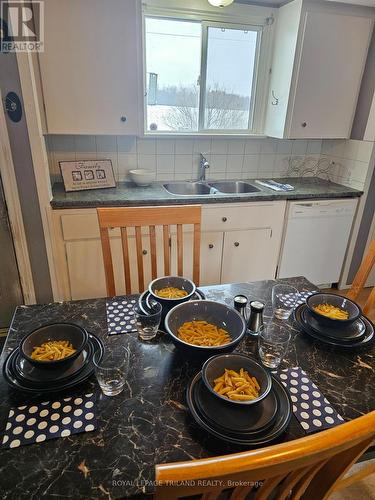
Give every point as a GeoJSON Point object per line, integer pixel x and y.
{"type": "Point", "coordinates": [148, 423]}
{"type": "Point", "coordinates": [127, 194]}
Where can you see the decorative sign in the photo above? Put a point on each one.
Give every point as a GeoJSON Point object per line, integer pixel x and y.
{"type": "Point", "coordinates": [87, 174]}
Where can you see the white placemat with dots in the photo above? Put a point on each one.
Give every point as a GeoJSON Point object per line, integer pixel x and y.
{"type": "Point", "coordinates": [290, 299]}
{"type": "Point", "coordinates": [49, 420]}
{"type": "Point", "coordinates": [120, 314]}
{"type": "Point", "coordinates": [311, 408]}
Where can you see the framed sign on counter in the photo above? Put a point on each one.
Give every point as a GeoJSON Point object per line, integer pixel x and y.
{"type": "Point", "coordinates": [87, 174]}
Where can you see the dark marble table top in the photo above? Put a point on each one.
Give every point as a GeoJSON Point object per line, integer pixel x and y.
{"type": "Point", "coordinates": [128, 194]}
{"type": "Point", "coordinates": [149, 423]}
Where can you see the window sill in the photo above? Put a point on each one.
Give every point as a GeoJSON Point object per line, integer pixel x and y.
{"type": "Point", "coordinates": [200, 135]}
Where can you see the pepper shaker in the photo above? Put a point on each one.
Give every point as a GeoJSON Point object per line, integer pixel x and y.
{"type": "Point", "coordinates": [255, 323]}
{"type": "Point", "coordinates": [240, 303]}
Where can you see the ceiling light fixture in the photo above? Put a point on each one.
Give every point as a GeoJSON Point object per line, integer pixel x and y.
{"type": "Point", "coordinates": [220, 3]}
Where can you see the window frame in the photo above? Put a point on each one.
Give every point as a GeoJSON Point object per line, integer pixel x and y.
{"type": "Point", "coordinates": [260, 83]}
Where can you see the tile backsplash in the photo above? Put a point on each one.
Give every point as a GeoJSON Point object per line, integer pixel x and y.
{"type": "Point", "coordinates": [343, 161]}
{"type": "Point", "coordinates": [178, 159]}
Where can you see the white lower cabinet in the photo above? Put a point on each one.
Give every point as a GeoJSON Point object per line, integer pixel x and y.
{"type": "Point", "coordinates": [239, 242]}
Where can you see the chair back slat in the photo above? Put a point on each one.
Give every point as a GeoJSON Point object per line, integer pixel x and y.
{"type": "Point", "coordinates": [154, 265]}
{"type": "Point", "coordinates": [150, 218]}
{"type": "Point", "coordinates": [167, 251]}
{"type": "Point", "coordinates": [138, 243]}
{"type": "Point", "coordinates": [361, 278]}
{"type": "Point", "coordinates": [125, 257]}
{"type": "Point", "coordinates": [307, 468]}
{"type": "Point", "coordinates": [108, 264]}
{"type": "Point", "coordinates": [180, 251]}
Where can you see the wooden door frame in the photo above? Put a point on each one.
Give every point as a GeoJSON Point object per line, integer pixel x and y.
{"type": "Point", "coordinates": [14, 212]}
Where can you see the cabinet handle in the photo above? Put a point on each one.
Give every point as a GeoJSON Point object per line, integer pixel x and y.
{"type": "Point", "coordinates": [236, 244]}
{"type": "Point", "coordinates": [144, 252]}
{"type": "Point", "coordinates": [210, 245]}
{"type": "Point", "coordinates": [123, 118]}
{"type": "Point", "coordinates": [303, 124]}
{"type": "Point", "coordinates": [224, 219]}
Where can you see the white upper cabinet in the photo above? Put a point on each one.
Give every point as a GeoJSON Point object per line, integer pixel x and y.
{"type": "Point", "coordinates": [90, 70]}
{"type": "Point", "coordinates": [318, 62]}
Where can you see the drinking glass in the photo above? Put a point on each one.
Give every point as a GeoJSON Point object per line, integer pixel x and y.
{"type": "Point", "coordinates": [284, 298]}
{"type": "Point", "coordinates": [148, 317]}
{"type": "Point", "coordinates": [273, 343]}
{"type": "Point", "coordinates": [111, 371]}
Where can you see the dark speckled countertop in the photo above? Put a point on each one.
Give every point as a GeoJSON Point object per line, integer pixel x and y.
{"type": "Point", "coordinates": [127, 194]}
{"type": "Point", "coordinates": [149, 423]}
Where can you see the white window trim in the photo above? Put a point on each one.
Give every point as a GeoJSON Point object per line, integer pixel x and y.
{"type": "Point", "coordinates": [262, 21]}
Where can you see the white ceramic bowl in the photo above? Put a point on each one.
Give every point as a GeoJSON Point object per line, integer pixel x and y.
{"type": "Point", "coordinates": [142, 176]}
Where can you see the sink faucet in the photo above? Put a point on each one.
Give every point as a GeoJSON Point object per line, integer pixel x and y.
{"type": "Point", "coordinates": [203, 165]}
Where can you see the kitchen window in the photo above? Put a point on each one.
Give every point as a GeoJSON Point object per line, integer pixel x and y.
{"type": "Point", "coordinates": [201, 77]}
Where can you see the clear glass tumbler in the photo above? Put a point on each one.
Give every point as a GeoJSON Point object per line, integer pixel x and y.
{"type": "Point", "coordinates": [111, 371]}
{"type": "Point", "coordinates": [273, 341]}
{"type": "Point", "coordinates": [148, 317]}
{"type": "Point", "coordinates": [284, 298]}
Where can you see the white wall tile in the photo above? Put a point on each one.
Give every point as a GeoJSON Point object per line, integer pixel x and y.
{"type": "Point", "coordinates": [218, 163]}
{"type": "Point", "coordinates": [252, 146]}
{"type": "Point", "coordinates": [126, 144]}
{"type": "Point", "coordinates": [284, 146]}
{"type": "Point", "coordinates": [266, 164]}
{"type": "Point", "coordinates": [147, 161]}
{"type": "Point", "coordinates": [165, 146]}
{"type": "Point", "coordinates": [106, 143]}
{"type": "Point", "coordinates": [182, 177]}
{"type": "Point", "coordinates": [61, 143]}
{"type": "Point", "coordinates": [236, 146]}
{"type": "Point", "coordinates": [165, 164]}
{"type": "Point", "coordinates": [350, 149]}
{"type": "Point", "coordinates": [183, 164]}
{"type": "Point", "coordinates": [268, 145]}
{"type": "Point", "coordinates": [234, 163]}
{"type": "Point", "coordinates": [146, 146]}
{"type": "Point", "coordinates": [251, 164]}
{"type": "Point", "coordinates": [184, 146]}
{"type": "Point", "coordinates": [299, 147]}
{"type": "Point", "coordinates": [127, 162]}
{"type": "Point", "coordinates": [202, 146]}
{"type": "Point", "coordinates": [314, 146]}
{"type": "Point", "coordinates": [85, 144]}
{"type": "Point", "coordinates": [219, 146]}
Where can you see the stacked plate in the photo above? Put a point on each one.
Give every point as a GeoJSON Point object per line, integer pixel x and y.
{"type": "Point", "coordinates": [359, 333]}
{"type": "Point", "coordinates": [22, 375]}
{"type": "Point", "coordinates": [243, 425]}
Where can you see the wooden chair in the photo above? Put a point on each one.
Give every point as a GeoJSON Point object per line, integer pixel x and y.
{"type": "Point", "coordinates": [361, 277]}
{"type": "Point", "coordinates": [151, 217]}
{"type": "Point", "coordinates": [307, 468]}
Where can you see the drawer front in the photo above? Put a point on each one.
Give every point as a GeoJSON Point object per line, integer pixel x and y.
{"type": "Point", "coordinates": [229, 218]}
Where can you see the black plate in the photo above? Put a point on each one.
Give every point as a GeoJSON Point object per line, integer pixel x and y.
{"type": "Point", "coordinates": [279, 425]}
{"type": "Point", "coordinates": [39, 376]}
{"type": "Point", "coordinates": [354, 332]}
{"type": "Point", "coordinates": [368, 338]}
{"type": "Point", "coordinates": [232, 419]}
{"type": "Point", "coordinates": [17, 383]}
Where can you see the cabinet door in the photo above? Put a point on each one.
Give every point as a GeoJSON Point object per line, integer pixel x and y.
{"type": "Point", "coordinates": [211, 253]}
{"type": "Point", "coordinates": [89, 68]}
{"type": "Point", "coordinates": [248, 256]}
{"type": "Point", "coordinates": [328, 75]}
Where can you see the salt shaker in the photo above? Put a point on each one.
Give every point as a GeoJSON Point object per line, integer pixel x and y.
{"type": "Point", "coordinates": [255, 323]}
{"type": "Point", "coordinates": [240, 302]}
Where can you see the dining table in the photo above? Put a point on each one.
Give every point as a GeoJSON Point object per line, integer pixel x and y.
{"type": "Point", "coordinates": [149, 422]}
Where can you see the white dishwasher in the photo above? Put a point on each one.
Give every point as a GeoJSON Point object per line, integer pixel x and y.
{"type": "Point", "coordinates": [315, 239]}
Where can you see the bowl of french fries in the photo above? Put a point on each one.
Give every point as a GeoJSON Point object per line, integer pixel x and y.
{"type": "Point", "coordinates": [236, 379]}
{"type": "Point", "coordinates": [205, 326]}
{"type": "Point", "coordinates": [54, 345]}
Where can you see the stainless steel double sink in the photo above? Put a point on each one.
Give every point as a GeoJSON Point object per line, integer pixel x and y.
{"type": "Point", "coordinates": [200, 188]}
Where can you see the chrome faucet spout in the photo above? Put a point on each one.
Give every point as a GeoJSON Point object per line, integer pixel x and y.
{"type": "Point", "coordinates": [203, 166]}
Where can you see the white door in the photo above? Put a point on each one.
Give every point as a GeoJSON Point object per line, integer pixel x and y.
{"type": "Point", "coordinates": [334, 50]}
{"type": "Point", "coordinates": [248, 256]}
{"type": "Point", "coordinates": [89, 67]}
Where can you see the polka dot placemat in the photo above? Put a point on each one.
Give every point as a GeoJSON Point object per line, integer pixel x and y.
{"type": "Point", "coordinates": [313, 411]}
{"type": "Point", "coordinates": [120, 314]}
{"type": "Point", "coordinates": [49, 420]}
{"type": "Point", "coordinates": [289, 298]}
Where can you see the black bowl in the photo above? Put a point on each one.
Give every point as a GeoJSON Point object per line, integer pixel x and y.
{"type": "Point", "coordinates": [216, 313]}
{"type": "Point", "coordinates": [173, 281]}
{"type": "Point", "coordinates": [338, 301]}
{"type": "Point", "coordinates": [215, 366]}
{"type": "Point", "coordinates": [54, 331]}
